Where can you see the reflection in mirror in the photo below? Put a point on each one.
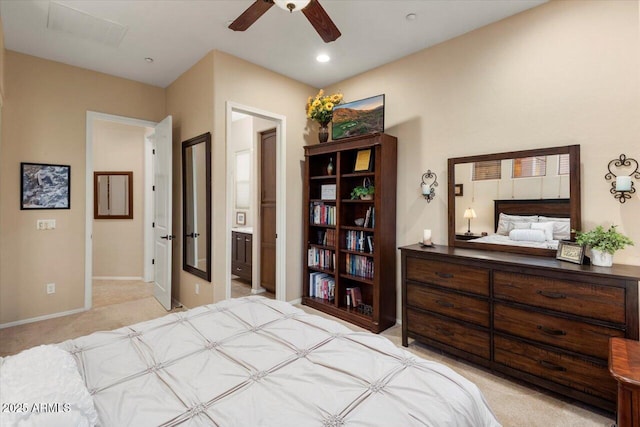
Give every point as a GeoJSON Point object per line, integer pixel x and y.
{"type": "Point", "coordinates": [532, 190]}
{"type": "Point", "coordinates": [196, 206]}
{"type": "Point", "coordinates": [113, 195]}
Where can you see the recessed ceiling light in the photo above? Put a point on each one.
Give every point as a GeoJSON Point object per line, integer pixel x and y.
{"type": "Point", "coordinates": [411, 17]}
{"type": "Point", "coordinates": [323, 58]}
{"type": "Point", "coordinates": [149, 59]}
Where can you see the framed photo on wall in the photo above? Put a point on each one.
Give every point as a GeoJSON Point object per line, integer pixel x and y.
{"type": "Point", "coordinates": [45, 186]}
{"type": "Point", "coordinates": [241, 218]}
{"type": "Point", "coordinates": [458, 190]}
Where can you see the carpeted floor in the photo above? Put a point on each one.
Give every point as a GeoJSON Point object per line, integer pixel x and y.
{"type": "Point", "coordinates": [120, 303]}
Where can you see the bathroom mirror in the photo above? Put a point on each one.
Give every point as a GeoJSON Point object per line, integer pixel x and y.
{"type": "Point", "coordinates": [113, 195]}
{"type": "Point", "coordinates": [516, 186]}
{"type": "Point", "coordinates": [196, 206]}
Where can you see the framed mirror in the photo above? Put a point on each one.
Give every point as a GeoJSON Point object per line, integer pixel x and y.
{"type": "Point", "coordinates": [196, 206]}
{"type": "Point", "coordinates": [520, 201]}
{"type": "Point", "coordinates": [113, 195]}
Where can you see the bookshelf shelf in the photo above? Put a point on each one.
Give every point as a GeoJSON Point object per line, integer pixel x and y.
{"type": "Point", "coordinates": [357, 288]}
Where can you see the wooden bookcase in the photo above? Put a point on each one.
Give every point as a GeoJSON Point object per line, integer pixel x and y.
{"type": "Point", "coordinates": [337, 252]}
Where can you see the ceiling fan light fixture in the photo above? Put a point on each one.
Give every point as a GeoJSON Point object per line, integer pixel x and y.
{"type": "Point", "coordinates": [292, 5]}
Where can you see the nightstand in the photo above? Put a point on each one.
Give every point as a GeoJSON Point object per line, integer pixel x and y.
{"type": "Point", "coordinates": [463, 236]}
{"type": "Point", "coordinates": [624, 365]}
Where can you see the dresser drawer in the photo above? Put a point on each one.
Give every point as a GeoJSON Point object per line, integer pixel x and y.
{"type": "Point", "coordinates": [450, 304]}
{"type": "Point", "coordinates": [583, 299]}
{"type": "Point", "coordinates": [454, 276]}
{"type": "Point", "coordinates": [449, 332]}
{"type": "Point", "coordinates": [587, 377]}
{"type": "Point", "coordinates": [581, 337]}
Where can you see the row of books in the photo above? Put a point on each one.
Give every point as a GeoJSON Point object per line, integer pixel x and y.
{"type": "Point", "coordinates": [358, 265]}
{"type": "Point", "coordinates": [326, 237]}
{"type": "Point", "coordinates": [359, 241]}
{"type": "Point", "coordinates": [323, 258]}
{"type": "Point", "coordinates": [322, 285]}
{"type": "Point", "coordinates": [322, 214]}
{"type": "Point", "coordinates": [370, 217]}
{"type": "Point", "coordinates": [353, 297]}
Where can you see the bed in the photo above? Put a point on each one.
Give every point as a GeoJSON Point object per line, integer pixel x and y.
{"type": "Point", "coordinates": [258, 362]}
{"type": "Point", "coordinates": [550, 214]}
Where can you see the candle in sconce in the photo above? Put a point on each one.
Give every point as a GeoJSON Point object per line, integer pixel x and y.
{"type": "Point", "coordinates": [623, 183]}
{"type": "Point", "coordinates": [426, 237]}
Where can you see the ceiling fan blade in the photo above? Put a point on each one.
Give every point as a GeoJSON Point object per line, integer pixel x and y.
{"type": "Point", "coordinates": [251, 15]}
{"type": "Point", "coordinates": [316, 14]}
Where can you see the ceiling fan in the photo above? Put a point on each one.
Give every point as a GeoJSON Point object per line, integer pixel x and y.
{"type": "Point", "coordinates": [314, 12]}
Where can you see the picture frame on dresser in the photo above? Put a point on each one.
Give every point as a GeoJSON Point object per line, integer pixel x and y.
{"type": "Point", "coordinates": [570, 251]}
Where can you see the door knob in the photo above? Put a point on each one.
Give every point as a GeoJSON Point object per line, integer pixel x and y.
{"type": "Point", "coordinates": [168, 237]}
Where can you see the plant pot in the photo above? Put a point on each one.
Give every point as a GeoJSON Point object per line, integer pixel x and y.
{"type": "Point", "coordinates": [366, 197]}
{"type": "Point", "coordinates": [601, 259]}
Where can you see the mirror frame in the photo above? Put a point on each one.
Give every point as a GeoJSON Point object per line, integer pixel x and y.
{"type": "Point", "coordinates": [206, 139]}
{"type": "Point", "coordinates": [96, 214]}
{"type": "Point", "coordinates": [574, 196]}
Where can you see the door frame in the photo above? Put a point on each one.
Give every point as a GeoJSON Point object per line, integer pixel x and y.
{"type": "Point", "coordinates": [280, 123]}
{"type": "Point", "coordinates": [148, 199]}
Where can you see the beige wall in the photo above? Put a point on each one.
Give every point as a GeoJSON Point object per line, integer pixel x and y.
{"type": "Point", "coordinates": [561, 73]}
{"type": "Point", "coordinates": [247, 84]}
{"type": "Point", "coordinates": [190, 102]}
{"type": "Point", "coordinates": [44, 121]}
{"type": "Point", "coordinates": [118, 244]}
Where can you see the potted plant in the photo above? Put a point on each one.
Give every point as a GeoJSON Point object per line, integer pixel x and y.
{"type": "Point", "coordinates": [603, 244]}
{"type": "Point", "coordinates": [364, 192]}
{"type": "Point", "coordinates": [320, 109]}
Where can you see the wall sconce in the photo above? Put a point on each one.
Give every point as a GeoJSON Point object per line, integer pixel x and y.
{"type": "Point", "coordinates": [622, 186]}
{"type": "Point", "coordinates": [428, 192]}
{"type": "Point", "coordinates": [468, 214]}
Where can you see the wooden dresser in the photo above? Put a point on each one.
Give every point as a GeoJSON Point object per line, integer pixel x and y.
{"type": "Point", "coordinates": [538, 319]}
{"type": "Point", "coordinates": [241, 246]}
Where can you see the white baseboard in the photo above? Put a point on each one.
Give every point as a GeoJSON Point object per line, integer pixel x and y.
{"type": "Point", "coordinates": [295, 301]}
{"type": "Point", "coordinates": [118, 278]}
{"type": "Point", "coordinates": [258, 291]}
{"type": "Point", "coordinates": [39, 318]}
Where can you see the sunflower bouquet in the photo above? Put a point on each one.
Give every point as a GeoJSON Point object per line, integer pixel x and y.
{"type": "Point", "coordinates": [320, 107]}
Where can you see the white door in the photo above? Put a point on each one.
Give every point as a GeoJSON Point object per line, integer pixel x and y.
{"type": "Point", "coordinates": [163, 239]}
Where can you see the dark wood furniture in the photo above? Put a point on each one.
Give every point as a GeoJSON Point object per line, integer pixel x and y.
{"type": "Point", "coordinates": [465, 236]}
{"type": "Point", "coordinates": [241, 245]}
{"type": "Point", "coordinates": [624, 365]}
{"type": "Point", "coordinates": [574, 210]}
{"type": "Point", "coordinates": [538, 319]}
{"type": "Point", "coordinates": [378, 291]}
{"type": "Point", "coordinates": [556, 208]}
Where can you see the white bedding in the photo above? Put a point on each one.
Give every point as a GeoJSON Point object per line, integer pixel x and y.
{"type": "Point", "coordinates": [258, 362]}
{"type": "Point", "coordinates": [498, 239]}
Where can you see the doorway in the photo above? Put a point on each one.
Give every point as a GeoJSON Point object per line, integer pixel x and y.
{"type": "Point", "coordinates": [278, 262]}
{"type": "Point", "coordinates": [145, 201]}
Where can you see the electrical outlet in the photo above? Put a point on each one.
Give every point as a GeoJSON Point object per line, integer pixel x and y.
{"type": "Point", "coordinates": [51, 288]}
{"type": "Point", "coordinates": [46, 224]}
{"type": "Point", "coordinates": [197, 288]}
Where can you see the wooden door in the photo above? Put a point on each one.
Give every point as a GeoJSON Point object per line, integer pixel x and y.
{"type": "Point", "coordinates": [268, 210]}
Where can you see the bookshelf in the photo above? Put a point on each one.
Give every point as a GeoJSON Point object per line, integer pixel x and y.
{"type": "Point", "coordinates": [349, 268]}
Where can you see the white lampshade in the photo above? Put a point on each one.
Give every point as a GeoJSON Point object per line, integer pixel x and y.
{"type": "Point", "coordinates": [469, 213]}
{"type": "Point", "coordinates": [297, 4]}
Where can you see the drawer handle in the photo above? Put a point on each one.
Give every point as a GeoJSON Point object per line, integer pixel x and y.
{"type": "Point", "coordinates": [554, 295]}
{"type": "Point", "coordinates": [444, 303]}
{"type": "Point", "coordinates": [551, 366]}
{"type": "Point", "coordinates": [444, 275]}
{"type": "Point", "coordinates": [551, 331]}
{"type": "Point", "coordinates": [444, 332]}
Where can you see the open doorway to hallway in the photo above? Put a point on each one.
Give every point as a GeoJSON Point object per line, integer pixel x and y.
{"type": "Point", "coordinates": [255, 224]}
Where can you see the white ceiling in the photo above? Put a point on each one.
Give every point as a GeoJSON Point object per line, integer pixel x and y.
{"type": "Point", "coordinates": [177, 33]}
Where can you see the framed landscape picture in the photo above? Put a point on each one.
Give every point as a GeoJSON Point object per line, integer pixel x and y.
{"type": "Point", "coordinates": [358, 118]}
{"type": "Point", "coordinates": [44, 186]}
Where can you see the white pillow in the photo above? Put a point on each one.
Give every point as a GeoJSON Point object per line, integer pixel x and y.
{"type": "Point", "coordinates": [45, 376]}
{"type": "Point", "coordinates": [504, 221]}
{"type": "Point", "coordinates": [527, 235]}
{"type": "Point", "coordinates": [561, 227]}
{"type": "Point", "coordinates": [547, 227]}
